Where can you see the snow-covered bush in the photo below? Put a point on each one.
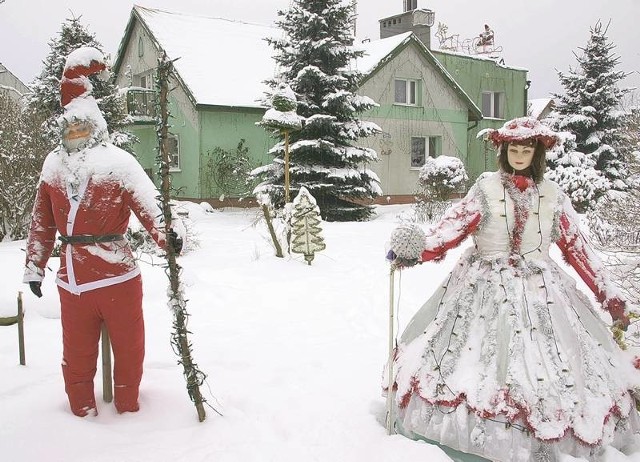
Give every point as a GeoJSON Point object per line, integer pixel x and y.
{"type": "Point", "coordinates": [141, 241]}
{"type": "Point", "coordinates": [439, 178]}
{"type": "Point", "coordinates": [615, 229]}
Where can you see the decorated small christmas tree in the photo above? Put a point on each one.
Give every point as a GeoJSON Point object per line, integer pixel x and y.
{"type": "Point", "coordinates": [305, 224]}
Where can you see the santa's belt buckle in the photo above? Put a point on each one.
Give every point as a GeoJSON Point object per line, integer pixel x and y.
{"type": "Point", "coordinates": [90, 239]}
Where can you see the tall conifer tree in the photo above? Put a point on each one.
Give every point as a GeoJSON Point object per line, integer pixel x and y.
{"type": "Point", "coordinates": [316, 59]}
{"type": "Point", "coordinates": [590, 109]}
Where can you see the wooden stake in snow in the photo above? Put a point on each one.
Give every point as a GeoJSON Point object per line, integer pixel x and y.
{"type": "Point", "coordinates": [177, 302]}
{"type": "Point", "coordinates": [390, 428]}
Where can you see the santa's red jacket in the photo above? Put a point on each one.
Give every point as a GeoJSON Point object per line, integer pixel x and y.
{"type": "Point", "coordinates": [90, 193]}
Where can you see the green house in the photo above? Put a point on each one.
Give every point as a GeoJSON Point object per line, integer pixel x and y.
{"type": "Point", "coordinates": [430, 102]}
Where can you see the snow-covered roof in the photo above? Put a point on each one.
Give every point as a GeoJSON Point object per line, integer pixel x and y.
{"type": "Point", "coordinates": [377, 50]}
{"type": "Point", "coordinates": [221, 61]}
{"type": "Point", "coordinates": [537, 106]}
{"type": "Point", "coordinates": [225, 62]}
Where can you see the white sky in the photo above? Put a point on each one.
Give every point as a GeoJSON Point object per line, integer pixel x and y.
{"type": "Point", "coordinates": [538, 35]}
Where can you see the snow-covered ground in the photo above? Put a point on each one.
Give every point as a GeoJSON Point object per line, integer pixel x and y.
{"type": "Point", "coordinates": [294, 355]}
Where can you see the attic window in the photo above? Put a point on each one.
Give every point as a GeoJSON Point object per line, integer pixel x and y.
{"type": "Point", "coordinates": [140, 47]}
{"type": "Point", "coordinates": [493, 104]}
{"type": "Point", "coordinates": [406, 92]}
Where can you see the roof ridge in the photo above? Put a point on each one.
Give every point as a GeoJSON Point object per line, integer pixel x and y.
{"type": "Point", "coordinates": [191, 15]}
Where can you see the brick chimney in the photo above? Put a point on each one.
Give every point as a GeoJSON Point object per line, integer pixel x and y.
{"type": "Point", "coordinates": [414, 19]}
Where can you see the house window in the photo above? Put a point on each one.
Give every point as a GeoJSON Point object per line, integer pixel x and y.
{"type": "Point", "coordinates": [493, 104]}
{"type": "Point", "coordinates": [423, 147]}
{"type": "Point", "coordinates": [140, 47]}
{"type": "Point", "coordinates": [406, 92]}
{"type": "Point", "coordinates": [146, 80]}
{"type": "Point", "coordinates": [173, 142]}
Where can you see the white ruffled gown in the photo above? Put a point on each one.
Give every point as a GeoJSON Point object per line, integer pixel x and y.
{"type": "Point", "coordinates": [508, 360]}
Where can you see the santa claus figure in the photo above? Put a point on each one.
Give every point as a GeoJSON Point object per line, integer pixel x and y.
{"type": "Point", "coordinates": [508, 360]}
{"type": "Point", "coordinates": [87, 190]}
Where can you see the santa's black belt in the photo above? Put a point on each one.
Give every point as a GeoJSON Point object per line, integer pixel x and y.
{"type": "Point", "coordinates": [89, 239]}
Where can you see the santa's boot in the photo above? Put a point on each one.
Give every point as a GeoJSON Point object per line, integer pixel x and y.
{"type": "Point", "coordinates": [126, 398]}
{"type": "Point", "coordinates": [81, 399]}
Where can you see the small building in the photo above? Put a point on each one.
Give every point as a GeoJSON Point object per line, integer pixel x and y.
{"type": "Point", "coordinates": [430, 102]}
{"type": "Point", "coordinates": [540, 107]}
{"type": "Point", "coordinates": [12, 85]}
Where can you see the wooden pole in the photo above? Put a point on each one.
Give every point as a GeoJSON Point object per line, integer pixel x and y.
{"type": "Point", "coordinates": [272, 231]}
{"type": "Point", "coordinates": [390, 429]}
{"type": "Point", "coordinates": [286, 167]}
{"type": "Point", "coordinates": [107, 381]}
{"type": "Point", "coordinates": [23, 361]}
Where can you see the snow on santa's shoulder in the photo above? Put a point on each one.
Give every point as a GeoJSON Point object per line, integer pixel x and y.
{"type": "Point", "coordinates": [83, 56]}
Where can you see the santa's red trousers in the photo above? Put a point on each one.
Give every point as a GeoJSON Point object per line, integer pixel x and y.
{"type": "Point", "coordinates": [119, 307]}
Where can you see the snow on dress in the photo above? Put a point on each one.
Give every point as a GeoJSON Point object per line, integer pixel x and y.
{"type": "Point", "coordinates": [508, 359]}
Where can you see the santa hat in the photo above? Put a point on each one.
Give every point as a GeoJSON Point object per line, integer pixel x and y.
{"type": "Point", "coordinates": [80, 64]}
{"type": "Point", "coordinates": [521, 129]}
{"type": "Point", "coordinates": [76, 88]}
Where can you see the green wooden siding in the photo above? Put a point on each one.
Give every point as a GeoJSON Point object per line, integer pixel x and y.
{"type": "Point", "coordinates": [476, 76]}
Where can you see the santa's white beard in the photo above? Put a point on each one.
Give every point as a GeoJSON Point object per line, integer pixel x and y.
{"type": "Point", "coordinates": [76, 144]}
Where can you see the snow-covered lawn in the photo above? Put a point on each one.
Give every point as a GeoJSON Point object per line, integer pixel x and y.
{"type": "Point", "coordinates": [294, 355]}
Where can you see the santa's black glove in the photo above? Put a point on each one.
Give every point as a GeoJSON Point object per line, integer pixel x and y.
{"type": "Point", "coordinates": [174, 241]}
{"type": "Point", "coordinates": [35, 288]}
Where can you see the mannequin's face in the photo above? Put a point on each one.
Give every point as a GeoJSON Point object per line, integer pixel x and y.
{"type": "Point", "coordinates": [76, 135]}
{"type": "Point", "coordinates": [520, 156]}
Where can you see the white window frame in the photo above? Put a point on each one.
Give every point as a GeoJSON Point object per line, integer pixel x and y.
{"type": "Point", "coordinates": [411, 99]}
{"type": "Point", "coordinates": [496, 104]}
{"type": "Point", "coordinates": [174, 162]}
{"type": "Point", "coordinates": [148, 78]}
{"type": "Point", "coordinates": [430, 150]}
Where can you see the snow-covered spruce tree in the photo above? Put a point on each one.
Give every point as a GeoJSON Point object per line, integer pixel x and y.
{"type": "Point", "coordinates": [574, 171]}
{"type": "Point", "coordinates": [590, 108]}
{"type": "Point", "coordinates": [45, 97]}
{"type": "Point", "coordinates": [22, 151]}
{"type": "Point", "coordinates": [315, 58]}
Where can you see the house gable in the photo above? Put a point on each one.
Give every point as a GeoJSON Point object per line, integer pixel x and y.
{"type": "Point", "coordinates": [437, 72]}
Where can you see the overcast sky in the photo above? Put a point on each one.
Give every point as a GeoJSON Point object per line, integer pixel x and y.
{"type": "Point", "coordinates": [539, 35]}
